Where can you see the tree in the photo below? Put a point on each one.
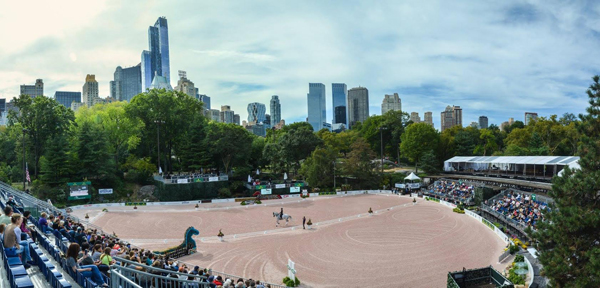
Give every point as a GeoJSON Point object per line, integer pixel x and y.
{"type": "Point", "coordinates": [318, 168]}
{"type": "Point", "coordinates": [360, 164]}
{"type": "Point", "coordinates": [230, 144]}
{"type": "Point", "coordinates": [465, 141]}
{"type": "Point", "coordinates": [536, 146]}
{"type": "Point", "coordinates": [94, 161]}
{"type": "Point", "coordinates": [54, 165]}
{"type": "Point", "coordinates": [418, 139]}
{"type": "Point", "coordinates": [568, 238]}
{"type": "Point", "coordinates": [192, 150]}
{"type": "Point", "coordinates": [429, 163]}
{"type": "Point", "coordinates": [488, 144]}
{"type": "Point", "coordinates": [297, 144]}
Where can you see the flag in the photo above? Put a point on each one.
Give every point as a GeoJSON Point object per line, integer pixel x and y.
{"type": "Point", "coordinates": [159, 170]}
{"type": "Point", "coordinates": [285, 176]}
{"type": "Point", "coordinates": [27, 173]}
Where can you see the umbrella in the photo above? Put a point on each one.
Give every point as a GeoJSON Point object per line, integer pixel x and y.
{"type": "Point", "coordinates": [521, 265]}
{"type": "Point", "coordinates": [521, 271]}
{"type": "Point", "coordinates": [249, 179]}
{"type": "Point", "coordinates": [285, 176]}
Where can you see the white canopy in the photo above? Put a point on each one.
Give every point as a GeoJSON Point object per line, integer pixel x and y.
{"type": "Point", "coordinates": [412, 177]}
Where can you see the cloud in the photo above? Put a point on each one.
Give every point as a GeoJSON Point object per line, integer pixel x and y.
{"type": "Point", "coordinates": [498, 59]}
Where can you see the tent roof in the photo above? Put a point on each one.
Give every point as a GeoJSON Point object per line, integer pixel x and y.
{"type": "Point", "coordinates": [412, 176]}
{"type": "Point", "coordinates": [529, 160]}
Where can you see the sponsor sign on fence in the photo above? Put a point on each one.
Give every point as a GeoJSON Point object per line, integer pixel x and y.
{"type": "Point", "coordinates": [182, 181]}
{"type": "Point", "coordinates": [135, 203]}
{"type": "Point", "coordinates": [291, 196]}
{"type": "Point", "coordinates": [266, 191]}
{"type": "Point", "coordinates": [313, 194]}
{"type": "Point", "coordinates": [447, 204]}
{"type": "Point", "coordinates": [105, 191]}
{"type": "Point", "coordinates": [501, 234]}
{"type": "Point", "coordinates": [213, 179]}
{"type": "Point", "coordinates": [472, 214]}
{"type": "Point", "coordinates": [294, 189]}
{"type": "Point", "coordinates": [279, 186]}
{"type": "Point", "coordinates": [340, 193]}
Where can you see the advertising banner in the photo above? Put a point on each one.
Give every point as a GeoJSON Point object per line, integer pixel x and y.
{"type": "Point", "coordinates": [79, 190]}
{"type": "Point", "coordinates": [105, 191]}
{"type": "Point", "coordinates": [182, 181]}
{"type": "Point", "coordinates": [279, 186]}
{"type": "Point", "coordinates": [266, 191]}
{"type": "Point", "coordinates": [213, 179]}
{"type": "Point", "coordinates": [294, 189]}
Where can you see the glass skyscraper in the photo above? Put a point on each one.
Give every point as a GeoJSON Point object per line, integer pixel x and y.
{"type": "Point", "coordinates": [275, 110]}
{"type": "Point", "coordinates": [358, 105]}
{"type": "Point", "coordinates": [339, 96]}
{"type": "Point", "coordinates": [66, 98]}
{"type": "Point", "coordinates": [256, 112]}
{"type": "Point", "coordinates": [156, 61]}
{"type": "Point", "coordinates": [127, 83]}
{"type": "Point", "coordinates": [317, 114]}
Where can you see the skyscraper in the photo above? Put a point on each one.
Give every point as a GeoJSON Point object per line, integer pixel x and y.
{"type": "Point", "coordinates": [127, 83]}
{"type": "Point", "coordinates": [227, 115]}
{"type": "Point", "coordinates": [358, 105]}
{"type": "Point", "coordinates": [160, 82]}
{"type": "Point", "coordinates": [66, 98]}
{"type": "Point", "coordinates": [2, 105]}
{"type": "Point", "coordinates": [339, 96]}
{"type": "Point", "coordinates": [256, 113]}
{"type": "Point", "coordinates": [185, 85]}
{"type": "Point", "coordinates": [267, 121]}
{"type": "Point", "coordinates": [452, 116]}
{"type": "Point", "coordinates": [275, 110]}
{"type": "Point", "coordinates": [236, 119]}
{"type": "Point", "coordinates": [391, 103]}
{"type": "Point", "coordinates": [205, 99]}
{"type": "Point", "coordinates": [156, 61]}
{"type": "Point", "coordinates": [530, 116]}
{"type": "Point", "coordinates": [414, 117]}
{"type": "Point", "coordinates": [90, 90]}
{"type": "Point", "coordinates": [317, 115]}
{"type": "Point", "coordinates": [483, 122]}
{"type": "Point", "coordinates": [34, 90]}
{"type": "Point", "coordinates": [428, 118]}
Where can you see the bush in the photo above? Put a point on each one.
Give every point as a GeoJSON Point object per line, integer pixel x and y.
{"type": "Point", "coordinates": [515, 278]}
{"type": "Point", "coordinates": [459, 211]}
{"type": "Point", "coordinates": [519, 258]}
{"type": "Point", "coordinates": [291, 283]}
{"type": "Point", "coordinates": [224, 193]}
{"type": "Point", "coordinates": [513, 249]}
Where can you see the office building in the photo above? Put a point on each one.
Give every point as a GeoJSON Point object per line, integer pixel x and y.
{"type": "Point", "coordinates": [530, 116]}
{"type": "Point", "coordinates": [214, 115]}
{"type": "Point", "coordinates": [90, 90]}
{"type": "Point", "coordinates": [414, 117]}
{"type": "Point", "coordinates": [339, 97]}
{"type": "Point", "coordinates": [226, 114]}
{"type": "Point", "coordinates": [511, 121]}
{"type": "Point", "coordinates": [34, 90]}
{"type": "Point", "coordinates": [256, 113]}
{"type": "Point", "coordinates": [457, 115]}
{"type": "Point", "coordinates": [205, 99]}
{"type": "Point", "coordinates": [474, 124]}
{"type": "Point", "coordinates": [428, 118]}
{"type": "Point", "coordinates": [66, 98]}
{"type": "Point", "coordinates": [156, 60]}
{"type": "Point", "coordinates": [504, 126]}
{"type": "Point", "coordinates": [338, 127]}
{"type": "Point", "coordinates": [483, 122]}
{"type": "Point", "coordinates": [236, 119]}
{"type": "Point", "coordinates": [267, 121]}
{"type": "Point", "coordinates": [185, 85]}
{"type": "Point", "coordinates": [127, 83]}
{"type": "Point", "coordinates": [358, 105]}
{"type": "Point", "coordinates": [76, 105]}
{"type": "Point", "coordinates": [447, 118]}
{"type": "Point", "coordinates": [258, 129]}
{"type": "Point", "coordinates": [275, 109]}
{"type": "Point", "coordinates": [2, 104]}
{"type": "Point", "coordinates": [316, 106]}
{"type": "Point", "coordinates": [391, 103]}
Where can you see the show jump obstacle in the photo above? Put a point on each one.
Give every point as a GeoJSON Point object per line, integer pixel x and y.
{"type": "Point", "coordinates": [186, 248]}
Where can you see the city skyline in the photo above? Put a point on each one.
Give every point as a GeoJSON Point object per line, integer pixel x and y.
{"type": "Point", "coordinates": [492, 59]}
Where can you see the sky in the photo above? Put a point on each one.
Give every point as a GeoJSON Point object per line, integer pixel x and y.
{"type": "Point", "coordinates": [493, 58]}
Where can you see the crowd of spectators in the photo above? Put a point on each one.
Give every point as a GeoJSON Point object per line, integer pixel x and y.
{"type": "Point", "coordinates": [454, 189]}
{"type": "Point", "coordinates": [520, 207]}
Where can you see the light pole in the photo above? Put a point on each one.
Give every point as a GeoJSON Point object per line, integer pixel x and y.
{"type": "Point", "coordinates": [158, 122]}
{"type": "Point", "coordinates": [24, 169]}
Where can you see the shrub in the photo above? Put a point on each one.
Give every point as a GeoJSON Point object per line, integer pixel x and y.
{"type": "Point", "coordinates": [458, 210]}
{"type": "Point", "coordinates": [515, 278]}
{"type": "Point", "coordinates": [291, 283]}
{"type": "Point", "coordinates": [224, 193]}
{"type": "Point", "coordinates": [519, 258]}
{"type": "Point", "coordinates": [309, 222]}
{"type": "Point", "coordinates": [104, 210]}
{"type": "Point", "coordinates": [513, 249]}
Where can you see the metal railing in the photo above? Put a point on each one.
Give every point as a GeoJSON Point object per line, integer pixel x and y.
{"type": "Point", "coordinates": [119, 280]}
{"type": "Point", "coordinates": [134, 278]}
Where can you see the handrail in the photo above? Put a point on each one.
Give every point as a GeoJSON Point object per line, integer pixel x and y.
{"type": "Point", "coordinates": [115, 276]}
{"type": "Point", "coordinates": [155, 278]}
{"type": "Point", "coordinates": [119, 259]}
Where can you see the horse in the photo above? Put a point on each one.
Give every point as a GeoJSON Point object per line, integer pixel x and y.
{"type": "Point", "coordinates": [285, 217]}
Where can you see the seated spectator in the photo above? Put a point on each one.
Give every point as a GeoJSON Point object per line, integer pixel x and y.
{"type": "Point", "coordinates": [25, 229]}
{"type": "Point", "coordinates": [2, 227]}
{"type": "Point", "coordinates": [97, 253]}
{"type": "Point", "coordinates": [12, 240]}
{"type": "Point", "coordinates": [85, 255]}
{"type": "Point", "coordinates": [105, 258]}
{"type": "Point", "coordinates": [43, 223]}
{"type": "Point", "coordinates": [5, 219]}
{"type": "Point", "coordinates": [89, 271]}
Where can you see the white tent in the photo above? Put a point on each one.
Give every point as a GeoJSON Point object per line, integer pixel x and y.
{"type": "Point", "coordinates": [412, 177]}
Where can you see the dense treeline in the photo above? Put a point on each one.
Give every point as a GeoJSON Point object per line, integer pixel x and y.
{"type": "Point", "coordinates": [118, 143]}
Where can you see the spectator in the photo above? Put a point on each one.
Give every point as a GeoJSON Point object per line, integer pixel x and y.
{"type": "Point", "coordinates": [25, 229]}
{"type": "Point", "coordinates": [259, 285]}
{"type": "Point", "coordinates": [97, 252]}
{"type": "Point", "coordinates": [89, 271]}
{"type": "Point", "coordinates": [105, 258]}
{"type": "Point", "coordinates": [2, 227]}
{"type": "Point", "coordinates": [5, 219]}
{"type": "Point", "coordinates": [12, 239]}
{"type": "Point", "coordinates": [85, 255]}
{"type": "Point", "coordinates": [43, 223]}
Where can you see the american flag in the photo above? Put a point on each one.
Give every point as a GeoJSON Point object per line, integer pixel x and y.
{"type": "Point", "coordinates": [27, 173]}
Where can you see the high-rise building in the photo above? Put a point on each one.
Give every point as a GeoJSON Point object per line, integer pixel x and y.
{"type": "Point", "coordinates": [452, 116]}
{"type": "Point", "coordinates": [391, 103]}
{"type": "Point", "coordinates": [530, 116]}
{"type": "Point", "coordinates": [157, 59]}
{"type": "Point", "coordinates": [317, 114]}
{"type": "Point", "coordinates": [483, 122]}
{"type": "Point", "coordinates": [146, 69]}
{"type": "Point", "coordinates": [127, 83]}
{"type": "Point", "coordinates": [214, 115]}
{"type": "Point", "coordinates": [236, 119]}
{"type": "Point", "coordinates": [205, 99]}
{"type": "Point", "coordinates": [256, 113]}
{"type": "Point", "coordinates": [358, 105]}
{"type": "Point", "coordinates": [474, 124]}
{"type": "Point", "coordinates": [34, 90]}
{"type": "Point", "coordinates": [339, 96]}
{"type": "Point", "coordinates": [2, 104]}
{"type": "Point", "coordinates": [428, 118]}
{"type": "Point", "coordinates": [414, 117]}
{"type": "Point", "coordinates": [275, 109]}
{"type": "Point", "coordinates": [66, 98]}
{"type": "Point", "coordinates": [258, 129]}
{"type": "Point", "coordinates": [185, 85]}
{"type": "Point", "coordinates": [90, 90]}
{"type": "Point", "coordinates": [504, 126]}
{"type": "Point", "coordinates": [226, 114]}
